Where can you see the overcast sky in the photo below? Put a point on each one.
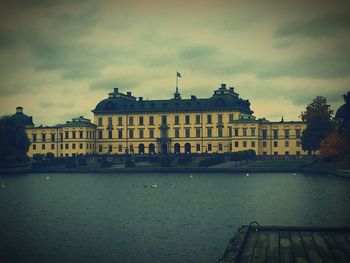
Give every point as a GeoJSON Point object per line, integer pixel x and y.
{"type": "Point", "coordinates": [58, 59]}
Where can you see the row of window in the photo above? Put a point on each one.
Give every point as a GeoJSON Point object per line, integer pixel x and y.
{"type": "Point", "coordinates": [66, 146]}
{"type": "Point", "coordinates": [164, 120]}
{"type": "Point", "coordinates": [275, 133]}
{"type": "Point", "coordinates": [74, 135]}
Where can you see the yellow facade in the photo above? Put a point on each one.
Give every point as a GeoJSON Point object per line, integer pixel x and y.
{"type": "Point", "coordinates": [122, 124]}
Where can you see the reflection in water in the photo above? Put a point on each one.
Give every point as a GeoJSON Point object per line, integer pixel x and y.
{"type": "Point", "coordinates": [122, 218]}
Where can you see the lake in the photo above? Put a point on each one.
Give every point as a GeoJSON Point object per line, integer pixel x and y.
{"type": "Point", "coordinates": [121, 218]}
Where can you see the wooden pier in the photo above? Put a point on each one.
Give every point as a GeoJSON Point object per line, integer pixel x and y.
{"type": "Point", "coordinates": [288, 244]}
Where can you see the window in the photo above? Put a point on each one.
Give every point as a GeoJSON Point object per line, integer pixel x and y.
{"type": "Point", "coordinates": [187, 119]}
{"type": "Point", "coordinates": [236, 144]}
{"type": "Point", "coordinates": [230, 131]}
{"type": "Point", "coordinates": [43, 146]}
{"type": "Point", "coordinates": [43, 137]}
{"type": "Point", "coordinates": [131, 121]}
{"type": "Point", "coordinates": [275, 134]}
{"type": "Point", "coordinates": [264, 144]}
{"type": "Point", "coordinates": [120, 148]}
{"type": "Point", "coordinates": [120, 121]}
{"type": "Point", "coordinates": [81, 134]}
{"type": "Point", "coordinates": [244, 144]}
{"type": "Point", "coordinates": [131, 134]}
{"type": "Point", "coordinates": [219, 132]}
{"type": "Point", "coordinates": [264, 134]}
{"type": "Point", "coordinates": [230, 117]}
{"type": "Point", "coordinates": [151, 133]}
{"type": "Point", "coordinates": [34, 146]}
{"type": "Point", "coordinates": [220, 146]}
{"type": "Point", "coordinates": [66, 146]}
{"type": "Point", "coordinates": [198, 147]}
{"type": "Point", "coordinates": [286, 134]}
{"type": "Point", "coordinates": [141, 134]}
{"type": "Point", "coordinates": [110, 122]}
{"type": "Point", "coordinates": [298, 143]}
{"type": "Point", "coordinates": [110, 148]}
{"type": "Point", "coordinates": [209, 147]}
{"type": "Point", "coordinates": [100, 121]}
{"type": "Point", "coordinates": [151, 120]}
{"type": "Point", "coordinates": [141, 120]}
{"type": "Point", "coordinates": [80, 146]}
{"type": "Point", "coordinates": [100, 148]}
{"type": "Point", "coordinates": [177, 133]}
{"type": "Point", "coordinates": [275, 144]}
{"type": "Point", "coordinates": [236, 131]}
{"type": "Point", "coordinates": [209, 132]}
{"type": "Point", "coordinates": [198, 132]}
{"type": "Point", "coordinates": [275, 153]}
{"type": "Point", "coordinates": [219, 118]}
{"type": "Point", "coordinates": [209, 121]}
{"type": "Point", "coordinates": [73, 134]}
{"type": "Point", "coordinates": [34, 137]}
{"type": "Point", "coordinates": [52, 137]}
{"type": "Point", "coordinates": [298, 152]}
{"type": "Point", "coordinates": [52, 146]}
{"type": "Point", "coordinates": [286, 143]}
{"type": "Point", "coordinates": [61, 146]}
{"type": "Point", "coordinates": [264, 153]}
{"type": "Point", "coordinates": [177, 120]}
{"type": "Point", "coordinates": [252, 144]}
{"type": "Point", "coordinates": [187, 133]}
{"type": "Point", "coordinates": [120, 134]}
{"type": "Point", "coordinates": [164, 120]}
{"type": "Point", "coordinates": [297, 133]}
{"type": "Point", "coordinates": [244, 131]}
{"type": "Point", "coordinates": [110, 135]}
{"type": "Point", "coordinates": [252, 131]}
{"type": "Point", "coordinates": [230, 145]}
{"type": "Point", "coordinates": [73, 145]}
{"type": "Point", "coordinates": [66, 135]}
{"type": "Point", "coordinates": [286, 153]}
{"type": "Point", "coordinates": [100, 134]}
{"type": "Point", "coordinates": [198, 119]}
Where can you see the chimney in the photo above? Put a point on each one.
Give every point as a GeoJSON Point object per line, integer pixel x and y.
{"type": "Point", "coordinates": [232, 89]}
{"type": "Point", "coordinates": [116, 90]}
{"type": "Point", "coordinates": [128, 93]}
{"type": "Point", "coordinates": [140, 98]}
{"type": "Point", "coordinates": [193, 97]}
{"type": "Point", "coordinates": [19, 109]}
{"type": "Point", "coordinates": [223, 86]}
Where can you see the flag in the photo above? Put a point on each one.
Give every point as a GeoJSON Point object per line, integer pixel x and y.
{"type": "Point", "coordinates": [178, 74]}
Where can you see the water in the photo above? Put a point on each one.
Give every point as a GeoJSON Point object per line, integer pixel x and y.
{"type": "Point", "coordinates": [115, 218]}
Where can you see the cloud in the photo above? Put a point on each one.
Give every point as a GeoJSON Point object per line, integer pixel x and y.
{"type": "Point", "coordinates": [321, 26]}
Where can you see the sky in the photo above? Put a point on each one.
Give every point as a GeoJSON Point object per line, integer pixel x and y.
{"type": "Point", "coordinates": [58, 59]}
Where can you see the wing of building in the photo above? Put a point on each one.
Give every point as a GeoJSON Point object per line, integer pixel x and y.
{"type": "Point", "coordinates": [125, 124]}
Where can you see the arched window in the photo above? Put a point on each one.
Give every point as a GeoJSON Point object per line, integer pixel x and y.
{"type": "Point", "coordinates": [141, 148]}
{"type": "Point", "coordinates": [187, 148]}
{"type": "Point", "coordinates": [177, 148]}
{"type": "Point", "coordinates": [151, 148]}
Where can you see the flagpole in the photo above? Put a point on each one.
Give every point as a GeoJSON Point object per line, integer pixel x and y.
{"type": "Point", "coordinates": [177, 85]}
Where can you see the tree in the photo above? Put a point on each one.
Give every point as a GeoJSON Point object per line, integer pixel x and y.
{"type": "Point", "coordinates": [318, 117]}
{"type": "Point", "coordinates": [332, 146]}
{"type": "Point", "coordinates": [14, 143]}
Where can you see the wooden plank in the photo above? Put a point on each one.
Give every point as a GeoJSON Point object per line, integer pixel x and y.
{"type": "Point", "coordinates": [323, 249]}
{"type": "Point", "coordinates": [260, 250]}
{"type": "Point", "coordinates": [310, 248]}
{"type": "Point", "coordinates": [273, 248]}
{"type": "Point", "coordinates": [299, 254]}
{"type": "Point", "coordinates": [285, 246]}
{"type": "Point", "coordinates": [249, 247]}
{"type": "Point", "coordinates": [342, 242]}
{"type": "Point", "coordinates": [334, 247]}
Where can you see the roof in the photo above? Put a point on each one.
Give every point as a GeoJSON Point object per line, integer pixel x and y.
{"type": "Point", "coordinates": [222, 99]}
{"type": "Point", "coordinates": [79, 122]}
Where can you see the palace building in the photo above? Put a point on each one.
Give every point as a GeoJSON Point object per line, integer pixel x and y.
{"type": "Point", "coordinates": [125, 124]}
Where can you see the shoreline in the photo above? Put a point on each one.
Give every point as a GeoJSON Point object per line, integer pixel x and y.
{"type": "Point", "coordinates": [233, 170]}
